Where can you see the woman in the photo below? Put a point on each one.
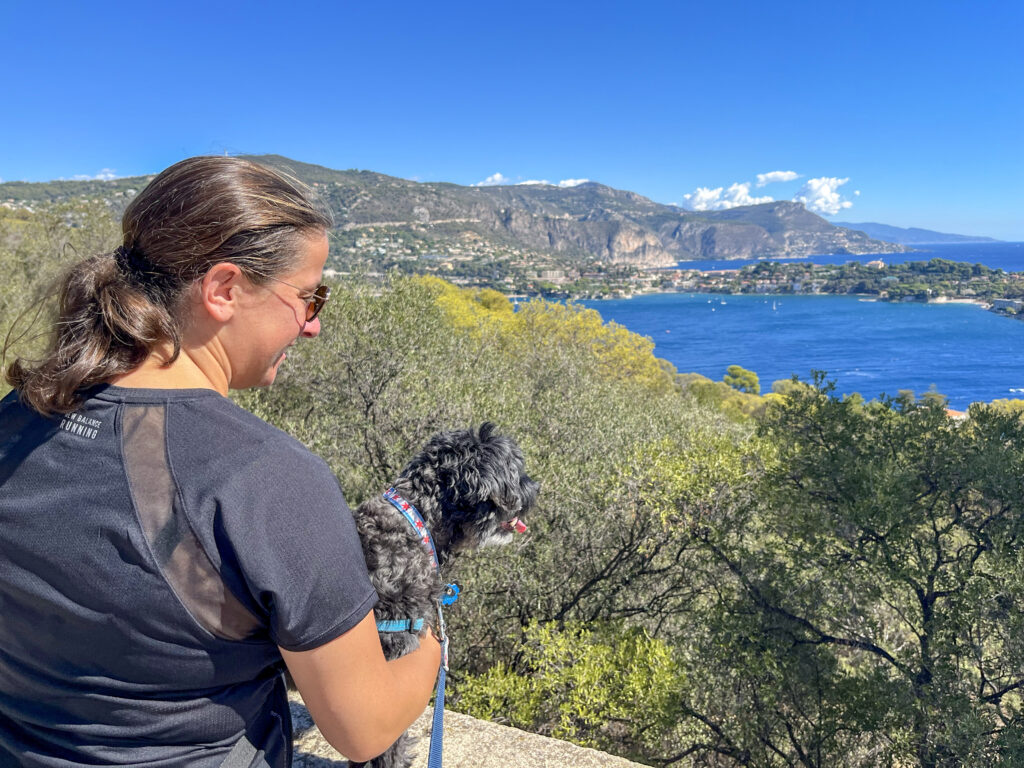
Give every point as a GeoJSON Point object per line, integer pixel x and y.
{"type": "Point", "coordinates": [163, 553]}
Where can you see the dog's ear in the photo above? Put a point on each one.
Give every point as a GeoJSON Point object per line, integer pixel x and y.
{"type": "Point", "coordinates": [528, 490]}
{"type": "Point", "coordinates": [508, 476]}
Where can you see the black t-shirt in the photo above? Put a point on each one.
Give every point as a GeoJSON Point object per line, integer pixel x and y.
{"type": "Point", "coordinates": [156, 547]}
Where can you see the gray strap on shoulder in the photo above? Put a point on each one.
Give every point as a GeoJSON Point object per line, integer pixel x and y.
{"type": "Point", "coordinates": [244, 755]}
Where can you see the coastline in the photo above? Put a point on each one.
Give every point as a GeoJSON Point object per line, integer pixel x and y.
{"type": "Point", "coordinates": [870, 348]}
{"type": "Point", "coordinates": [986, 305]}
{"type": "Point", "coordinates": [960, 300]}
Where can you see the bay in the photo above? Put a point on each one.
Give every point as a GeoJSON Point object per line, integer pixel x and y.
{"type": "Point", "coordinates": [999, 255]}
{"type": "Point", "coordinates": [870, 347]}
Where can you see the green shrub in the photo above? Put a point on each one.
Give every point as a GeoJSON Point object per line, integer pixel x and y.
{"type": "Point", "coordinates": [607, 686]}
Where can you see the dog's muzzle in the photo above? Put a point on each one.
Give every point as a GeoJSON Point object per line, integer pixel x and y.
{"type": "Point", "coordinates": [515, 525]}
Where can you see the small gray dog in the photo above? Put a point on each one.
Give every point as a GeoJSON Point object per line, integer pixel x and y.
{"type": "Point", "coordinates": [471, 490]}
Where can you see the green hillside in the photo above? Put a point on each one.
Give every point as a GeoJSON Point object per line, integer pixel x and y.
{"type": "Point", "coordinates": [711, 577]}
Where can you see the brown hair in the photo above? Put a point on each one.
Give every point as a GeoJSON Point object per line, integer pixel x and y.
{"type": "Point", "coordinates": [115, 308]}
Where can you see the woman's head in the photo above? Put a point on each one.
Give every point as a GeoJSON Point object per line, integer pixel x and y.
{"type": "Point", "coordinates": [206, 210]}
{"type": "Point", "coordinates": [116, 309]}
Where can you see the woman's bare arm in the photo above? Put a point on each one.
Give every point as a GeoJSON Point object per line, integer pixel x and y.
{"type": "Point", "coordinates": [360, 701]}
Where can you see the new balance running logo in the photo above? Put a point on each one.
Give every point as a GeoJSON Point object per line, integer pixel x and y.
{"type": "Point", "coordinates": [77, 424]}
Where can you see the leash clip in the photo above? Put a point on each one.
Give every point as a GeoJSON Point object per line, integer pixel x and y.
{"type": "Point", "coordinates": [450, 594]}
{"type": "Point", "coordinates": [442, 635]}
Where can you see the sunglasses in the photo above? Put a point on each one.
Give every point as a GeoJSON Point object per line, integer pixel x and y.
{"type": "Point", "coordinates": [314, 302]}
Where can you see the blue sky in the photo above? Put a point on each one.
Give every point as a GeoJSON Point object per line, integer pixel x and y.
{"type": "Point", "coordinates": [906, 113]}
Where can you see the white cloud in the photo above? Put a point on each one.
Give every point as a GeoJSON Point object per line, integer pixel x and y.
{"type": "Point", "coordinates": [492, 181]}
{"type": "Point", "coordinates": [105, 175]}
{"type": "Point", "coordinates": [822, 196]}
{"type": "Point", "coordinates": [719, 199]}
{"type": "Point", "coordinates": [774, 176]}
{"type": "Point", "coordinates": [702, 198]}
{"type": "Point", "coordinates": [564, 183]}
{"type": "Point", "coordinates": [497, 179]}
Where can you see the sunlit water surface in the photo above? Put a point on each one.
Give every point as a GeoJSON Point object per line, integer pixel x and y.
{"type": "Point", "coordinates": [870, 347]}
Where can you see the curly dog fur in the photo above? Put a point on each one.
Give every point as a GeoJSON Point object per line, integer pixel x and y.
{"type": "Point", "coordinates": [472, 490]}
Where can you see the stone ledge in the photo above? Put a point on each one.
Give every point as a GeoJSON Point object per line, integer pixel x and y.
{"type": "Point", "coordinates": [468, 743]}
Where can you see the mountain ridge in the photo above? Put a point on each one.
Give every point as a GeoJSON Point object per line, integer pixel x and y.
{"type": "Point", "coordinates": [585, 223]}
{"type": "Point", "coordinates": [911, 235]}
{"type": "Point", "coordinates": [588, 220]}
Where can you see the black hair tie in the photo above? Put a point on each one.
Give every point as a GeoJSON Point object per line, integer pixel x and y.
{"type": "Point", "coordinates": [132, 262]}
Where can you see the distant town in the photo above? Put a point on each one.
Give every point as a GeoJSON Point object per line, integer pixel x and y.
{"type": "Point", "coordinates": [448, 249]}
{"type": "Point", "coordinates": [376, 250]}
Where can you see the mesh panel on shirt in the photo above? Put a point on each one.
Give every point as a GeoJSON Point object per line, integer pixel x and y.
{"type": "Point", "coordinates": [185, 564]}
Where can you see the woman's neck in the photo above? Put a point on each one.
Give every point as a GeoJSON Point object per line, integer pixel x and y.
{"type": "Point", "coordinates": [185, 372]}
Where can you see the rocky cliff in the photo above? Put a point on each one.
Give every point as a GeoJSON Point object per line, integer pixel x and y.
{"type": "Point", "coordinates": [587, 221]}
{"type": "Point", "coordinates": [581, 223]}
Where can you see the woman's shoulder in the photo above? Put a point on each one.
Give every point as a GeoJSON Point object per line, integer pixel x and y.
{"type": "Point", "coordinates": [222, 418]}
{"type": "Point", "coordinates": [203, 414]}
{"type": "Point", "coordinates": [230, 436]}
{"type": "Point", "coordinates": [209, 436]}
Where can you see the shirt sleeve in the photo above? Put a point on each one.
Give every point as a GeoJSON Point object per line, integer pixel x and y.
{"type": "Point", "coordinates": [296, 548]}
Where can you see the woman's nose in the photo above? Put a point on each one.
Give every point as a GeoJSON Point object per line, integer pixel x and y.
{"type": "Point", "coordinates": [312, 328]}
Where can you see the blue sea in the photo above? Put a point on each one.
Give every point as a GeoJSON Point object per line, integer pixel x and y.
{"type": "Point", "coordinates": [870, 347]}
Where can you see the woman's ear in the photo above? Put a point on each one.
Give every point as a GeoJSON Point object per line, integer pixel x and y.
{"type": "Point", "coordinates": [220, 290]}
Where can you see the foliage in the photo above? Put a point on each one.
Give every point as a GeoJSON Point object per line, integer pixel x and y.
{"type": "Point", "coordinates": [718, 395]}
{"type": "Point", "coordinates": [584, 400]}
{"type": "Point", "coordinates": [743, 380]}
{"type": "Point", "coordinates": [852, 594]}
{"type": "Point", "coordinates": [606, 686]}
{"type": "Point", "coordinates": [711, 577]}
{"type": "Point", "coordinates": [1011, 405]}
{"type": "Point", "coordinates": [684, 482]}
{"type": "Point", "coordinates": [34, 247]}
{"type": "Point", "coordinates": [866, 595]}
{"type": "Point", "coordinates": [620, 355]}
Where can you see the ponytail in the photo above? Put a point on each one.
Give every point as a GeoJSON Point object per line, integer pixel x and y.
{"type": "Point", "coordinates": [117, 308]}
{"type": "Point", "coordinates": [108, 324]}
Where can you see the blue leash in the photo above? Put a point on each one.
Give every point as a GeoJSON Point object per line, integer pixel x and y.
{"type": "Point", "coordinates": [412, 515]}
{"type": "Point", "coordinates": [437, 727]}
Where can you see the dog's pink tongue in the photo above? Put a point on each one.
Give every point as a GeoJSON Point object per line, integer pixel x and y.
{"type": "Point", "coordinates": [515, 524]}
